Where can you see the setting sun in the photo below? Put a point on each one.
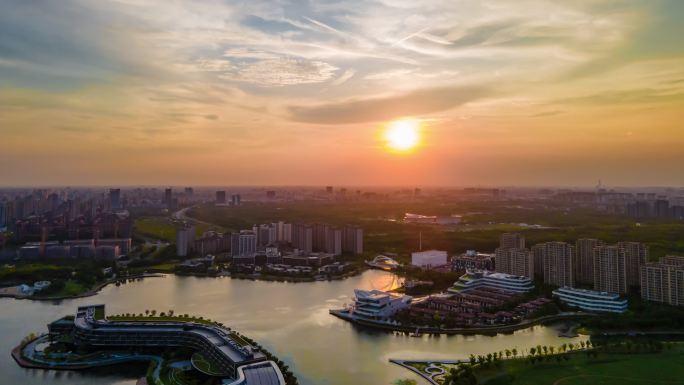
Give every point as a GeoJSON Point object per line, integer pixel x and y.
{"type": "Point", "coordinates": [402, 135]}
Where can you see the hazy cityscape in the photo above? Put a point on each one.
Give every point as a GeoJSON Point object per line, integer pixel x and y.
{"type": "Point", "coordinates": [380, 192]}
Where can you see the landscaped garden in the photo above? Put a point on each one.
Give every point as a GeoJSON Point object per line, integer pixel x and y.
{"type": "Point", "coordinates": [609, 363]}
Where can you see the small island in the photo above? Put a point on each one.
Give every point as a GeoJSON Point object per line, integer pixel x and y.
{"type": "Point", "coordinates": [181, 349]}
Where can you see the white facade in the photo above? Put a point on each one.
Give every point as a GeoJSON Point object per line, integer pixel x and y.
{"type": "Point", "coordinates": [590, 300]}
{"type": "Point", "coordinates": [474, 279]}
{"type": "Point", "coordinates": [376, 304]}
{"type": "Point", "coordinates": [429, 258]}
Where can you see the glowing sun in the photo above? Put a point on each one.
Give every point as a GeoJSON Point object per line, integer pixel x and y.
{"type": "Point", "coordinates": [402, 135]}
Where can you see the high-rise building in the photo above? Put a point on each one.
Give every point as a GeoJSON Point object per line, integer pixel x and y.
{"type": "Point", "coordinates": [661, 208]}
{"type": "Point", "coordinates": [302, 237]}
{"type": "Point", "coordinates": [352, 240]}
{"type": "Point", "coordinates": [235, 199]}
{"type": "Point", "coordinates": [538, 259]}
{"type": "Point", "coordinates": [319, 236]}
{"type": "Point", "coordinates": [584, 266]}
{"type": "Point", "coordinates": [185, 239]}
{"type": "Point", "coordinates": [270, 194]}
{"type": "Point", "coordinates": [168, 196]}
{"type": "Point", "coordinates": [512, 257]}
{"type": "Point", "coordinates": [558, 263]}
{"type": "Point", "coordinates": [664, 281]}
{"type": "Point", "coordinates": [287, 232]}
{"type": "Point", "coordinates": [115, 199]}
{"type": "Point", "coordinates": [220, 197]}
{"type": "Point", "coordinates": [333, 241]}
{"type": "Point", "coordinates": [264, 236]}
{"type": "Point", "coordinates": [329, 189]}
{"type": "Point", "coordinates": [512, 241]}
{"type": "Point", "coordinates": [189, 192]}
{"type": "Point", "coordinates": [514, 261]}
{"type": "Point", "coordinates": [247, 245]}
{"type": "Point", "coordinates": [636, 255]}
{"type": "Point", "coordinates": [610, 270]}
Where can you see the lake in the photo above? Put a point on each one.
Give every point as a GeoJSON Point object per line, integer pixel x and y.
{"type": "Point", "coordinates": [289, 319]}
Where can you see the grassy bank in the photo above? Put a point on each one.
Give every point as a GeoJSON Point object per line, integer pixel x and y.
{"type": "Point", "coordinates": [606, 369]}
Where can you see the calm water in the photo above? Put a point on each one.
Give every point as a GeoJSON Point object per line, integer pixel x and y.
{"type": "Point", "coordinates": [289, 319]}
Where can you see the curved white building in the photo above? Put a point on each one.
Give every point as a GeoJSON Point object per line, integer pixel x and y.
{"type": "Point", "coordinates": [590, 300]}
{"type": "Point", "coordinates": [376, 304]}
{"type": "Point", "coordinates": [474, 279]}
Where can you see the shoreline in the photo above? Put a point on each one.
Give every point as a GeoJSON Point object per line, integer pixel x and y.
{"type": "Point", "coordinates": [97, 288]}
{"type": "Point", "coordinates": [485, 330]}
{"type": "Point", "coordinates": [94, 291]}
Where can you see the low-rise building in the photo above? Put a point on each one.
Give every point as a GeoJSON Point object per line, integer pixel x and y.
{"type": "Point", "coordinates": [590, 300]}
{"type": "Point", "coordinates": [474, 279]}
{"type": "Point", "coordinates": [378, 305]}
{"type": "Point", "coordinates": [471, 259]}
{"type": "Point", "coordinates": [429, 258]}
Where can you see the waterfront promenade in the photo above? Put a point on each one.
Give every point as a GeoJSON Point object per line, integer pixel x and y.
{"type": "Point", "coordinates": [344, 314]}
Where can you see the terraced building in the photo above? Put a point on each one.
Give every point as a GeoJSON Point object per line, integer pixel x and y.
{"type": "Point", "coordinates": [220, 351]}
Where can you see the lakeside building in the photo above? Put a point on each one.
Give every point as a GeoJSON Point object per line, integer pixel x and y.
{"type": "Point", "coordinates": [610, 270]}
{"type": "Point", "coordinates": [663, 281]}
{"type": "Point", "coordinates": [212, 242]}
{"type": "Point", "coordinates": [584, 267]}
{"type": "Point", "coordinates": [105, 248]}
{"type": "Point", "coordinates": [472, 260]}
{"type": "Point", "coordinates": [475, 279]}
{"type": "Point", "coordinates": [243, 244]}
{"type": "Point", "coordinates": [590, 300]}
{"type": "Point", "coordinates": [308, 259]}
{"type": "Point", "coordinates": [224, 350]}
{"type": "Point", "coordinates": [378, 305]}
{"type": "Point", "coordinates": [429, 258]}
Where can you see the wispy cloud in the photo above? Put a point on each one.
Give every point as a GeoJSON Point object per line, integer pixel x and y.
{"type": "Point", "coordinates": [419, 102]}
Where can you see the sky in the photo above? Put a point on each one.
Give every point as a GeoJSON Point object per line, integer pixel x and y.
{"type": "Point", "coordinates": [180, 92]}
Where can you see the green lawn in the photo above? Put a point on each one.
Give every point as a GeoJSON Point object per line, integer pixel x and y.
{"type": "Point", "coordinates": [164, 228]}
{"type": "Point", "coordinates": [204, 365]}
{"type": "Point", "coordinates": [607, 369]}
{"type": "Point", "coordinates": [70, 288]}
{"type": "Point", "coordinates": [162, 267]}
{"type": "Point", "coordinates": [156, 227]}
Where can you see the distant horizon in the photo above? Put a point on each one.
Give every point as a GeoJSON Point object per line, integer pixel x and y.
{"type": "Point", "coordinates": [339, 186]}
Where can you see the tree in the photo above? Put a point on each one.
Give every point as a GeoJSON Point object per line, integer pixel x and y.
{"type": "Point", "coordinates": [508, 353]}
{"type": "Point", "coordinates": [147, 311]}
{"type": "Point", "coordinates": [533, 351]}
{"type": "Point", "coordinates": [515, 352]}
{"type": "Point", "coordinates": [473, 359]}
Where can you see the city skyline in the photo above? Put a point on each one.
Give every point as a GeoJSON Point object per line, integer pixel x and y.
{"type": "Point", "coordinates": [528, 93]}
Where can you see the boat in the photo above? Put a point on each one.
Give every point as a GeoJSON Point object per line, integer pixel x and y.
{"type": "Point", "coordinates": [417, 333]}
